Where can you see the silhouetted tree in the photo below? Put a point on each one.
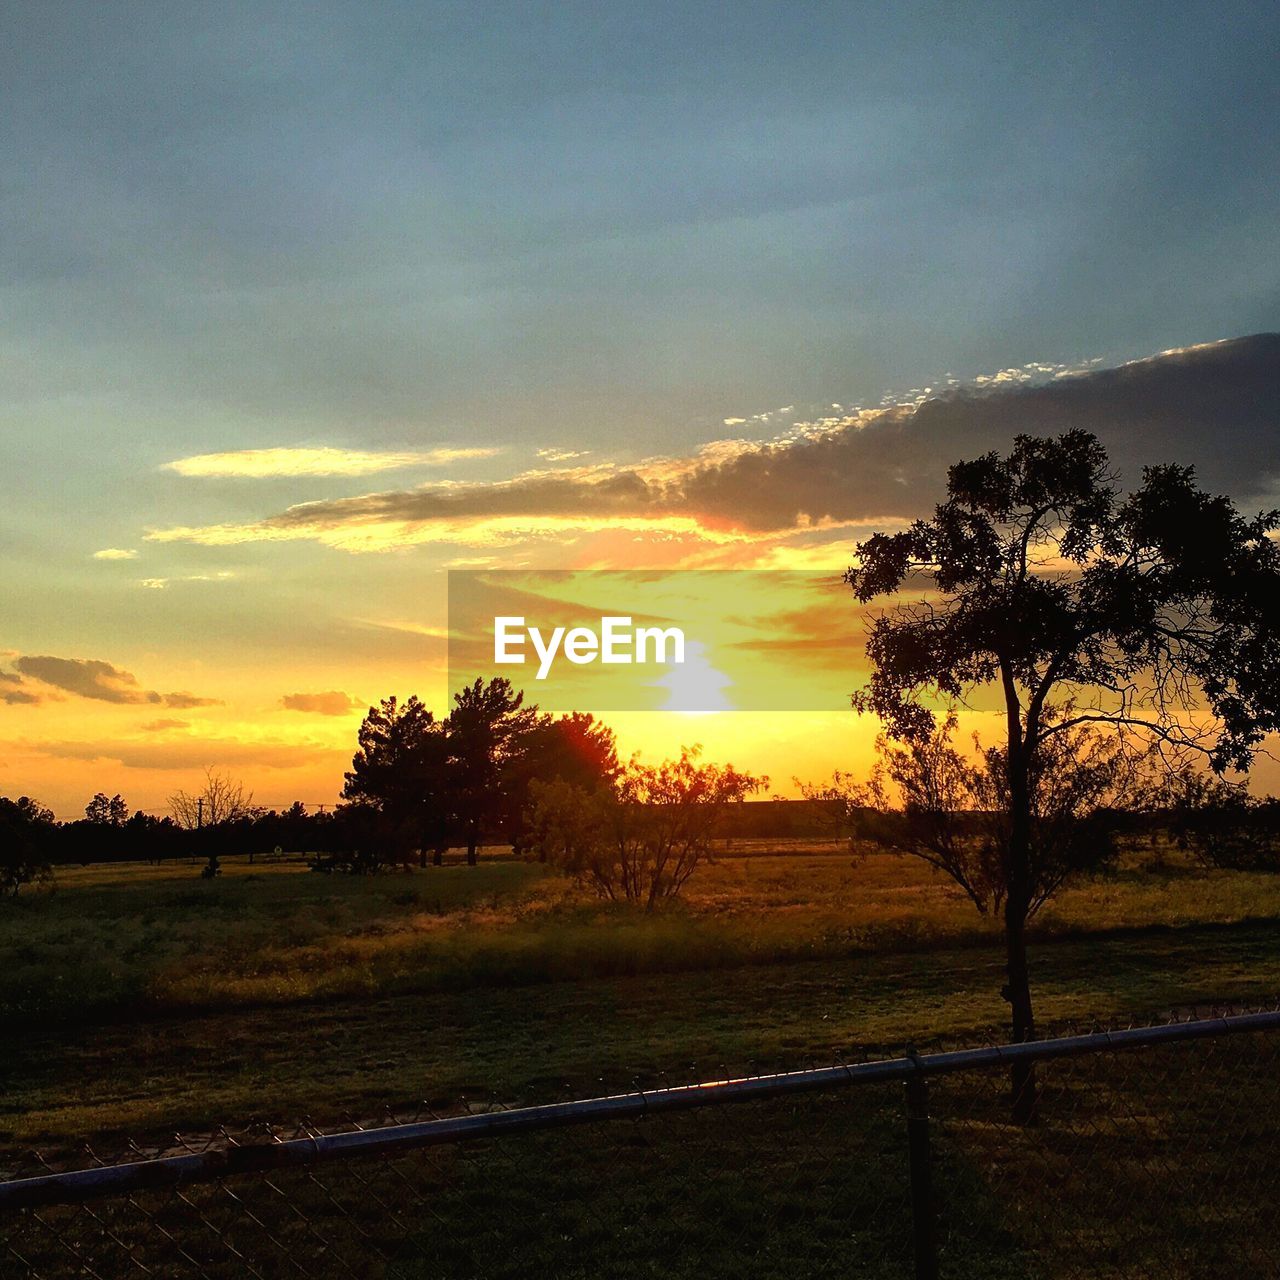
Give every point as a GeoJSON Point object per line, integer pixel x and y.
{"type": "Point", "coordinates": [642, 837]}
{"type": "Point", "coordinates": [1220, 823]}
{"type": "Point", "coordinates": [928, 799]}
{"type": "Point", "coordinates": [1158, 614]}
{"type": "Point", "coordinates": [576, 749]}
{"type": "Point", "coordinates": [27, 832]}
{"type": "Point", "coordinates": [105, 812]}
{"type": "Point", "coordinates": [486, 731]}
{"type": "Point", "coordinates": [221, 801]}
{"type": "Point", "coordinates": [401, 769]}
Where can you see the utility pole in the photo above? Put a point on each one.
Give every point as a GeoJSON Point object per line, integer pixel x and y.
{"type": "Point", "coordinates": [199, 812]}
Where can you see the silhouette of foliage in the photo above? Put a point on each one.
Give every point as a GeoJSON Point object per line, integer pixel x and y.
{"type": "Point", "coordinates": [928, 799]}
{"type": "Point", "coordinates": [486, 732]}
{"type": "Point", "coordinates": [1221, 823]}
{"type": "Point", "coordinates": [26, 835]}
{"type": "Point", "coordinates": [576, 749]}
{"type": "Point", "coordinates": [641, 836]}
{"type": "Point", "coordinates": [1157, 614]}
{"type": "Point", "coordinates": [106, 812]}
{"type": "Point", "coordinates": [400, 771]}
{"type": "Point", "coordinates": [221, 802]}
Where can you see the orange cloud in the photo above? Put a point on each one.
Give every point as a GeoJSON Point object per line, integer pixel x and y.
{"type": "Point", "coordinates": [332, 703]}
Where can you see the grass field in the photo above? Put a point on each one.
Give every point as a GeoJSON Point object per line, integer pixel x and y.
{"type": "Point", "coordinates": [141, 999]}
{"type": "Point", "coordinates": [135, 939]}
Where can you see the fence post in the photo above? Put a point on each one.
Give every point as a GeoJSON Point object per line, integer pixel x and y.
{"type": "Point", "coordinates": [919, 1161]}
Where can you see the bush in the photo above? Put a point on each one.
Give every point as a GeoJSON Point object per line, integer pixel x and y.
{"type": "Point", "coordinates": [640, 838]}
{"type": "Point", "coordinates": [26, 835]}
{"type": "Point", "coordinates": [1224, 826]}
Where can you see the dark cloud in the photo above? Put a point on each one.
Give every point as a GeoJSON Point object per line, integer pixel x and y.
{"type": "Point", "coordinates": [1213, 406]}
{"type": "Point", "coordinates": [183, 701]}
{"type": "Point", "coordinates": [13, 692]}
{"type": "Point", "coordinates": [93, 678]}
{"type": "Point", "coordinates": [332, 703]}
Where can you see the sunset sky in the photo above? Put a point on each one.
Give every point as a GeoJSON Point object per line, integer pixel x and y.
{"type": "Point", "coordinates": [304, 306]}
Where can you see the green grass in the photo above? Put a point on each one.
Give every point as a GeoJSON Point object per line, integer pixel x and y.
{"type": "Point", "coordinates": [139, 998]}
{"type": "Point", "coordinates": [135, 940]}
{"type": "Point", "coordinates": [124, 939]}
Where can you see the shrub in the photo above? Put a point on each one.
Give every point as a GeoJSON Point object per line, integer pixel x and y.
{"type": "Point", "coordinates": [640, 838]}
{"type": "Point", "coordinates": [26, 834]}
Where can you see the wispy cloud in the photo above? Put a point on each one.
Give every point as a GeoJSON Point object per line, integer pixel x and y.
{"type": "Point", "coordinates": [368, 532]}
{"type": "Point", "coordinates": [97, 680]}
{"type": "Point", "coordinates": [562, 455]}
{"type": "Point", "coordinates": [332, 703]}
{"type": "Point", "coordinates": [161, 584]}
{"type": "Point", "coordinates": [185, 753]}
{"type": "Point", "coordinates": [13, 691]}
{"type": "Point", "coordinates": [845, 468]}
{"type": "Point", "coordinates": [115, 553]}
{"type": "Point", "coordinates": [317, 461]}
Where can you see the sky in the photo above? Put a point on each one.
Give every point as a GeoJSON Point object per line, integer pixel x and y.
{"type": "Point", "coordinates": [302, 306]}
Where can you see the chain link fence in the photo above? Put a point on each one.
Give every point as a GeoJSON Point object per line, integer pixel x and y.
{"type": "Point", "coordinates": [1153, 1152]}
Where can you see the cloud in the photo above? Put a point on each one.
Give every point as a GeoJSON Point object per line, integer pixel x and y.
{"type": "Point", "coordinates": [1211, 406]}
{"type": "Point", "coordinates": [187, 753]}
{"type": "Point", "coordinates": [333, 703]}
{"type": "Point", "coordinates": [319, 461]}
{"type": "Point", "coordinates": [163, 584]}
{"type": "Point", "coordinates": [115, 553]}
{"type": "Point", "coordinates": [14, 693]}
{"type": "Point", "coordinates": [163, 725]}
{"type": "Point", "coordinates": [368, 531]}
{"type": "Point", "coordinates": [100, 681]}
{"type": "Point", "coordinates": [562, 455]}
{"type": "Point", "coordinates": [186, 701]}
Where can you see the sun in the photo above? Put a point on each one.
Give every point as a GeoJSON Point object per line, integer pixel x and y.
{"type": "Point", "coordinates": [694, 686]}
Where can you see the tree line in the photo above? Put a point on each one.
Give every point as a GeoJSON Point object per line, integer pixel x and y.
{"type": "Point", "coordinates": [494, 770]}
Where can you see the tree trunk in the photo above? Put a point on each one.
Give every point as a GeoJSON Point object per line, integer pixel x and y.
{"type": "Point", "coordinates": [1017, 900]}
{"type": "Point", "coordinates": [471, 847]}
{"type": "Point", "coordinates": [437, 857]}
{"type": "Point", "coordinates": [1018, 993]}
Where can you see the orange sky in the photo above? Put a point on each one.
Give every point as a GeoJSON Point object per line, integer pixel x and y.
{"type": "Point", "coordinates": [240, 609]}
{"type": "Point", "coordinates": [283, 718]}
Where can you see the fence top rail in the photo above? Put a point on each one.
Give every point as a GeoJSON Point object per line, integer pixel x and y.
{"type": "Point", "coordinates": [80, 1185]}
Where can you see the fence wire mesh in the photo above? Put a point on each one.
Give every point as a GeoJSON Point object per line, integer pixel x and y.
{"type": "Point", "coordinates": [1154, 1161]}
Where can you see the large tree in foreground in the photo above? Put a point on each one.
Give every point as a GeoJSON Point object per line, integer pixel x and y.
{"type": "Point", "coordinates": [1156, 614]}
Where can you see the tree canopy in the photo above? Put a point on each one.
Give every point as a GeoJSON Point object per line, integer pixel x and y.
{"type": "Point", "coordinates": [1159, 611]}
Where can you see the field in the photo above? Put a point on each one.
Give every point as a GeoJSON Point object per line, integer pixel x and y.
{"type": "Point", "coordinates": [140, 999]}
